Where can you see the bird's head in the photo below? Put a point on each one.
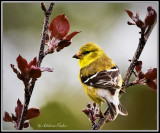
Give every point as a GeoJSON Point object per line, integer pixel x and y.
{"type": "Point", "coordinates": [88, 53]}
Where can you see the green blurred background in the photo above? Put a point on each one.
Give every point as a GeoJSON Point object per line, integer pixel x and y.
{"type": "Point", "coordinates": [59, 95]}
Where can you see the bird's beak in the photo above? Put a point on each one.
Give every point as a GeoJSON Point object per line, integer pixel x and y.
{"type": "Point", "coordinates": [78, 56]}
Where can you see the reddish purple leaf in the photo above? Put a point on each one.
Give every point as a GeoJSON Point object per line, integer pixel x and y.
{"type": "Point", "coordinates": [33, 62]}
{"type": "Point", "coordinates": [138, 66]}
{"type": "Point", "coordinates": [149, 8]}
{"type": "Point", "coordinates": [139, 23]}
{"type": "Point", "coordinates": [151, 74]}
{"type": "Point", "coordinates": [141, 75]}
{"type": "Point", "coordinates": [129, 13]}
{"type": "Point", "coordinates": [59, 27]}
{"type": "Point", "coordinates": [62, 44]}
{"type": "Point", "coordinates": [32, 113]}
{"type": "Point", "coordinates": [14, 117]}
{"type": "Point", "coordinates": [152, 84]}
{"type": "Point", "coordinates": [7, 117]}
{"type": "Point", "coordinates": [20, 76]}
{"type": "Point", "coordinates": [22, 64]}
{"type": "Point", "coordinates": [86, 111]}
{"type": "Point", "coordinates": [70, 36]}
{"type": "Point", "coordinates": [18, 109]}
{"type": "Point", "coordinates": [26, 124]}
{"type": "Point", "coordinates": [151, 16]}
{"type": "Point", "coordinates": [34, 72]}
{"type": "Point", "coordinates": [136, 19]}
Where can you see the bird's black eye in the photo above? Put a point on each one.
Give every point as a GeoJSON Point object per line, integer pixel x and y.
{"type": "Point", "coordinates": [86, 52]}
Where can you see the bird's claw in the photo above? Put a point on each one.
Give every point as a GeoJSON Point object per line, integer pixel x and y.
{"type": "Point", "coordinates": [101, 115]}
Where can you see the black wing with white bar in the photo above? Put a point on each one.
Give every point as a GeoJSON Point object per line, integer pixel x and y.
{"type": "Point", "coordinates": [105, 79]}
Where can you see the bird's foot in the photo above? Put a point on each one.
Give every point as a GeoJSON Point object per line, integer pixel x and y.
{"type": "Point", "coordinates": [109, 118]}
{"type": "Point", "coordinates": [101, 115]}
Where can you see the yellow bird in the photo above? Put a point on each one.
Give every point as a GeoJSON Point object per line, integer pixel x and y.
{"type": "Point", "coordinates": [100, 78]}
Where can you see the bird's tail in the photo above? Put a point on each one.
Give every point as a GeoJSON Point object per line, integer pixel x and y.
{"type": "Point", "coordinates": [122, 110]}
{"type": "Point", "coordinates": [116, 109]}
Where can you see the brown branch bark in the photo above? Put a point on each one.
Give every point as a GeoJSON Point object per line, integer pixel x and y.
{"type": "Point", "coordinates": [142, 41]}
{"type": "Point", "coordinates": [30, 87]}
{"type": "Point", "coordinates": [45, 28]}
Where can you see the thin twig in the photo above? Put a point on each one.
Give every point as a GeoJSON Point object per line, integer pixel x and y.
{"type": "Point", "coordinates": [45, 28]}
{"type": "Point", "coordinates": [142, 42]}
{"type": "Point", "coordinates": [101, 121]}
{"type": "Point", "coordinates": [43, 7]}
{"type": "Point", "coordinates": [30, 87]}
{"type": "Point", "coordinates": [126, 83]}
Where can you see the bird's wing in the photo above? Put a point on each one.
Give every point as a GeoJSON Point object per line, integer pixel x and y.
{"type": "Point", "coordinates": [107, 79]}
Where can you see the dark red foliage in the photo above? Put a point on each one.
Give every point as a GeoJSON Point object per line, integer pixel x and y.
{"type": "Point", "coordinates": [92, 112]}
{"type": "Point", "coordinates": [136, 19]}
{"type": "Point", "coordinates": [62, 44]}
{"type": "Point", "coordinates": [18, 109]}
{"type": "Point", "coordinates": [141, 75]}
{"type": "Point", "coordinates": [7, 117]}
{"type": "Point", "coordinates": [34, 72]}
{"type": "Point", "coordinates": [70, 36]}
{"type": "Point", "coordinates": [59, 27]}
{"type": "Point", "coordinates": [27, 71]}
{"type": "Point", "coordinates": [149, 19]}
{"type": "Point", "coordinates": [33, 62]}
{"type": "Point", "coordinates": [66, 41]}
{"type": "Point", "coordinates": [151, 16]}
{"type": "Point", "coordinates": [130, 14]}
{"type": "Point", "coordinates": [138, 66]}
{"type": "Point", "coordinates": [26, 124]}
{"type": "Point", "coordinates": [149, 78]}
{"type": "Point", "coordinates": [14, 117]}
{"type": "Point", "coordinates": [31, 113]}
{"type": "Point", "coordinates": [22, 64]}
{"type": "Point", "coordinates": [86, 111]}
{"type": "Point", "coordinates": [58, 30]}
{"type": "Point", "coordinates": [152, 84]}
{"type": "Point", "coordinates": [151, 74]}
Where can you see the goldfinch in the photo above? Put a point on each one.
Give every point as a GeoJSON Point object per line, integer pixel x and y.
{"type": "Point", "coordinates": [100, 78]}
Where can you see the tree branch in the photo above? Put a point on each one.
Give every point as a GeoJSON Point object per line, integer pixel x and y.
{"type": "Point", "coordinates": [30, 87]}
{"type": "Point", "coordinates": [45, 28]}
{"type": "Point", "coordinates": [142, 41]}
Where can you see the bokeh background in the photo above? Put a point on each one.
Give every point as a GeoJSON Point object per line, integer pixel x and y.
{"type": "Point", "coordinates": [59, 95]}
